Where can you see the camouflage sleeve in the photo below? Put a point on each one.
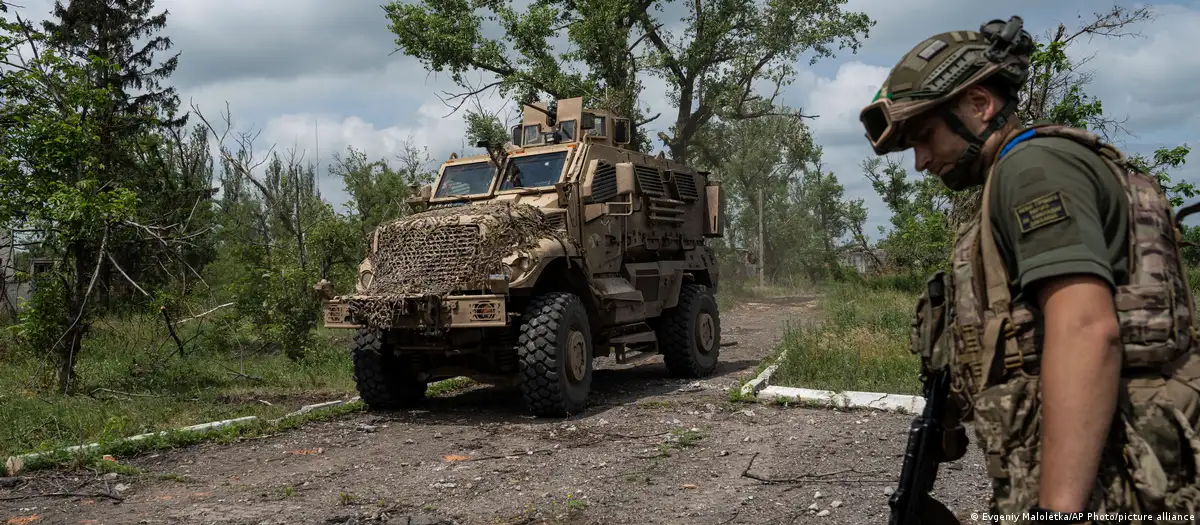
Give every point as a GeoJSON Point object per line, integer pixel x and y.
{"type": "Point", "coordinates": [1047, 207]}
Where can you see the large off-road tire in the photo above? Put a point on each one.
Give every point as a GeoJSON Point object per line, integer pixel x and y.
{"type": "Point", "coordinates": [382, 380]}
{"type": "Point", "coordinates": [554, 351]}
{"type": "Point", "coordinates": [689, 335]}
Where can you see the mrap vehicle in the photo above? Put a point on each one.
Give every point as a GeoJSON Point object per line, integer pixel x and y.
{"type": "Point", "coordinates": [522, 265]}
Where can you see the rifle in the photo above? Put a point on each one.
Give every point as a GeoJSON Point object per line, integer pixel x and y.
{"type": "Point", "coordinates": [911, 503]}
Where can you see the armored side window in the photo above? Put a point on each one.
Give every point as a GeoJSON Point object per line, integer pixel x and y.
{"type": "Point", "coordinates": [567, 129]}
{"type": "Point", "coordinates": [598, 127]}
{"type": "Point", "coordinates": [532, 135]}
{"type": "Point", "coordinates": [621, 131]}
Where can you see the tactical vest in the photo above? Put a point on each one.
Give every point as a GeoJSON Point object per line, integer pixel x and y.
{"type": "Point", "coordinates": [990, 338]}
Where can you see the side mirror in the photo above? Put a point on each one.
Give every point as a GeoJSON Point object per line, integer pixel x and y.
{"type": "Point", "coordinates": [621, 131]}
{"type": "Point", "coordinates": [515, 133]}
{"type": "Point", "coordinates": [626, 183]}
{"type": "Point", "coordinates": [426, 192]}
{"type": "Point", "coordinates": [587, 120]}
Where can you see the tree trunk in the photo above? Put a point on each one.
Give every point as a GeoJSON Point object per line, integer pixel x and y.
{"type": "Point", "coordinates": [72, 341]}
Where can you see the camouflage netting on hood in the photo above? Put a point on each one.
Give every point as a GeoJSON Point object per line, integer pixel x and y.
{"type": "Point", "coordinates": [440, 250]}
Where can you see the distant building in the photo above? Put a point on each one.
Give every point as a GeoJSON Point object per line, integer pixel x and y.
{"type": "Point", "coordinates": [8, 272]}
{"type": "Point", "coordinates": [862, 260]}
{"type": "Point", "coordinates": [15, 292]}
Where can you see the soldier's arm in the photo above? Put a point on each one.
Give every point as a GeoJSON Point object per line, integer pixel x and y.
{"type": "Point", "coordinates": [1049, 216]}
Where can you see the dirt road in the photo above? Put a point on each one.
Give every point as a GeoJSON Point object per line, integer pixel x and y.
{"type": "Point", "coordinates": [651, 450]}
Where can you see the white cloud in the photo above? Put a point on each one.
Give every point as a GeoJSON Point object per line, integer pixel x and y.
{"type": "Point", "coordinates": [838, 101]}
{"type": "Point", "coordinates": [1154, 79]}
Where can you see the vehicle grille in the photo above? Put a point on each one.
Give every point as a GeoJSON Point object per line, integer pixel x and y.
{"type": "Point", "coordinates": [424, 261]}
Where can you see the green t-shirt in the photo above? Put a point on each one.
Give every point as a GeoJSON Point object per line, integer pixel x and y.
{"type": "Point", "coordinates": [1057, 209]}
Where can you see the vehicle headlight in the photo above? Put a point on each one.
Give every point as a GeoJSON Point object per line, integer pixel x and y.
{"type": "Point", "coordinates": [365, 279]}
{"type": "Point", "coordinates": [522, 264]}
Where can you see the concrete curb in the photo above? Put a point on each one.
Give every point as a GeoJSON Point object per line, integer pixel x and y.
{"type": "Point", "coordinates": [848, 399]}
{"type": "Point", "coordinates": [754, 386]}
{"type": "Point", "coordinates": [15, 463]}
{"type": "Point", "coordinates": [193, 428]}
{"type": "Point", "coordinates": [760, 388]}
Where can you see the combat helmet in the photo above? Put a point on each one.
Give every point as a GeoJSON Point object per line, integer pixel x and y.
{"type": "Point", "coordinates": [940, 68]}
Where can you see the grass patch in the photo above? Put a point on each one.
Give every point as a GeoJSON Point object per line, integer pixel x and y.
{"type": "Point", "coordinates": [861, 343]}
{"type": "Point", "coordinates": [169, 439]}
{"type": "Point", "coordinates": [127, 385]}
{"type": "Point", "coordinates": [130, 380]}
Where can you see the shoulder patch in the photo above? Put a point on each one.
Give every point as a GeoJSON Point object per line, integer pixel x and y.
{"type": "Point", "coordinates": [1041, 211]}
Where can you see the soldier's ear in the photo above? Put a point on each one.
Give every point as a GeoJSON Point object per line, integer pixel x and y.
{"type": "Point", "coordinates": [980, 102]}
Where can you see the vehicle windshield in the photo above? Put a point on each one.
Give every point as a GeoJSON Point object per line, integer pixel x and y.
{"type": "Point", "coordinates": [534, 171]}
{"type": "Point", "coordinates": [466, 179]}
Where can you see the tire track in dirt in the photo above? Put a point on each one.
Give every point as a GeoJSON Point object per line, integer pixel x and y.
{"type": "Point", "coordinates": [651, 449]}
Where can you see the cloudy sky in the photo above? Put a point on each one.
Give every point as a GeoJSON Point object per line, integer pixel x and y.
{"type": "Point", "coordinates": [299, 70]}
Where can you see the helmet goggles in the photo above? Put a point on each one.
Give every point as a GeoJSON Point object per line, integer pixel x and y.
{"type": "Point", "coordinates": [884, 119]}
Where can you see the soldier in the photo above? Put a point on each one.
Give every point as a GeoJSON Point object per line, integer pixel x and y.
{"type": "Point", "coordinates": [1068, 331]}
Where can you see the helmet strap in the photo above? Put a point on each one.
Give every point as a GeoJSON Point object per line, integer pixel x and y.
{"type": "Point", "coordinates": [960, 177]}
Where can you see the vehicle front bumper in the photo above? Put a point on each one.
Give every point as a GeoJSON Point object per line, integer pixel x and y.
{"type": "Point", "coordinates": [422, 312]}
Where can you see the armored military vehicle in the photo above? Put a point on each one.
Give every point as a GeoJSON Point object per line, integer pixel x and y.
{"type": "Point", "coordinates": [525, 263]}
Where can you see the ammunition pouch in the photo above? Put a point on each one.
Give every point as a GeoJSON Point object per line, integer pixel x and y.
{"type": "Point", "coordinates": [928, 339]}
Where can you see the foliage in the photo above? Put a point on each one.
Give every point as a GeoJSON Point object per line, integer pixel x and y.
{"type": "Point", "coordinates": [775, 157]}
{"type": "Point", "coordinates": [711, 67]}
{"type": "Point", "coordinates": [922, 229]}
{"type": "Point", "coordinates": [51, 177]}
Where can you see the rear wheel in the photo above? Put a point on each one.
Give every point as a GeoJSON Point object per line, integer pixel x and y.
{"type": "Point", "coordinates": [554, 351]}
{"type": "Point", "coordinates": [689, 335]}
{"type": "Point", "coordinates": [382, 380]}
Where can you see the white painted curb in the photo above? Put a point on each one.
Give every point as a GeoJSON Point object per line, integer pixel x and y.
{"type": "Point", "coordinates": [760, 388]}
{"type": "Point", "coordinates": [309, 408]}
{"type": "Point", "coordinates": [19, 460]}
{"type": "Point", "coordinates": [753, 386]}
{"type": "Point", "coordinates": [848, 399]}
{"type": "Point", "coordinates": [139, 437]}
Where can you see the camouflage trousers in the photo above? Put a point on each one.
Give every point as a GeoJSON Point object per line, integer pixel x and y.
{"type": "Point", "coordinates": [1150, 470]}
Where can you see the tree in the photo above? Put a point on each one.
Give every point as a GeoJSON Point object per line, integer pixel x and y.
{"type": "Point", "coordinates": [139, 130]}
{"type": "Point", "coordinates": [922, 228]}
{"type": "Point", "coordinates": [53, 181]}
{"type": "Point", "coordinates": [377, 190]}
{"type": "Point", "coordinates": [804, 211]}
{"type": "Point", "coordinates": [712, 67]}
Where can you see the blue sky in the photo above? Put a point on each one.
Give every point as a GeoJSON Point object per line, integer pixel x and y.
{"type": "Point", "coordinates": [299, 70]}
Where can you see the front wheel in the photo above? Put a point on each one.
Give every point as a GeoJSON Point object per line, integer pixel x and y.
{"type": "Point", "coordinates": [382, 381]}
{"type": "Point", "coordinates": [554, 351]}
{"type": "Point", "coordinates": [689, 335]}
